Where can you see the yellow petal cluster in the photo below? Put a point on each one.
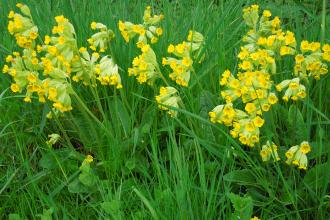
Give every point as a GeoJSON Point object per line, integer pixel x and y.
{"type": "Point", "coordinates": [269, 151]}
{"type": "Point", "coordinates": [22, 27]}
{"type": "Point", "coordinates": [296, 155]}
{"type": "Point", "coordinates": [148, 32]}
{"type": "Point", "coordinates": [45, 69]}
{"type": "Point", "coordinates": [168, 97]}
{"type": "Point", "coordinates": [145, 67]}
{"type": "Point", "coordinates": [102, 38]}
{"type": "Point", "coordinates": [185, 52]}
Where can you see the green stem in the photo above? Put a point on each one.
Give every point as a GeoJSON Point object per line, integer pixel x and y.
{"type": "Point", "coordinates": [323, 20]}
{"type": "Point", "coordinates": [162, 76]}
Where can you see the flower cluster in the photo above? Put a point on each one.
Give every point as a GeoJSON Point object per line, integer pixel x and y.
{"type": "Point", "coordinates": [253, 85]}
{"type": "Point", "coordinates": [22, 27]}
{"type": "Point", "coordinates": [102, 38]}
{"type": "Point", "coordinates": [43, 69]}
{"type": "Point", "coordinates": [168, 96]}
{"type": "Point", "coordinates": [311, 61]}
{"type": "Point", "coordinates": [149, 30]}
{"type": "Point", "coordinates": [244, 126]}
{"type": "Point", "coordinates": [296, 155]}
{"type": "Point", "coordinates": [46, 69]}
{"type": "Point", "coordinates": [294, 90]}
{"type": "Point", "coordinates": [145, 67]}
{"type": "Point", "coordinates": [269, 151]}
{"type": "Point", "coordinates": [185, 51]}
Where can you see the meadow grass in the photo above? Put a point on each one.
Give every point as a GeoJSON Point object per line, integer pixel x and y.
{"type": "Point", "coordinates": [147, 164]}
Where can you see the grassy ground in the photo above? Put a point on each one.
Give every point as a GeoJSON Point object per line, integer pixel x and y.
{"type": "Point", "coordinates": [148, 165]}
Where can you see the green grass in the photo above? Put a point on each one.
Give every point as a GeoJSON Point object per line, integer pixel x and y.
{"type": "Point", "coordinates": [148, 165]}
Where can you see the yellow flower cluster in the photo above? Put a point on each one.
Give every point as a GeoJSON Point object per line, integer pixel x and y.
{"type": "Point", "coordinates": [89, 67]}
{"type": "Point", "coordinates": [89, 159]}
{"type": "Point", "coordinates": [22, 27]}
{"type": "Point", "coordinates": [245, 126]}
{"type": "Point", "coordinates": [185, 51]}
{"type": "Point", "coordinates": [46, 69]}
{"type": "Point", "coordinates": [102, 38]}
{"type": "Point", "coordinates": [145, 67]}
{"type": "Point", "coordinates": [311, 62]}
{"type": "Point", "coordinates": [269, 151]}
{"type": "Point", "coordinates": [264, 42]}
{"type": "Point", "coordinates": [294, 90]}
{"type": "Point", "coordinates": [296, 155]}
{"type": "Point", "coordinates": [168, 96]}
{"type": "Point", "coordinates": [149, 30]}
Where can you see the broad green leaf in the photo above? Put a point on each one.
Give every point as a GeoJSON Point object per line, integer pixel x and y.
{"type": "Point", "coordinates": [316, 177]}
{"type": "Point", "coordinates": [47, 214]}
{"type": "Point", "coordinates": [297, 124]}
{"type": "Point", "coordinates": [77, 187]}
{"type": "Point", "coordinates": [88, 179]}
{"type": "Point", "coordinates": [54, 158]}
{"type": "Point", "coordinates": [241, 177]}
{"type": "Point", "coordinates": [243, 207]}
{"type": "Point", "coordinates": [111, 207]}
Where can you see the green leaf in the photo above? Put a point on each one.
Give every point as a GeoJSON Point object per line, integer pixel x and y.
{"type": "Point", "coordinates": [88, 179]}
{"type": "Point", "coordinates": [241, 177]}
{"type": "Point", "coordinates": [14, 216]}
{"type": "Point", "coordinates": [77, 187]}
{"type": "Point", "coordinates": [54, 158]}
{"type": "Point", "coordinates": [47, 214]}
{"type": "Point", "coordinates": [243, 207]}
{"type": "Point", "coordinates": [317, 176]}
{"type": "Point", "coordinates": [297, 126]}
{"type": "Point", "coordinates": [130, 164]}
{"type": "Point", "coordinates": [111, 207]}
{"type": "Point", "coordinates": [123, 116]}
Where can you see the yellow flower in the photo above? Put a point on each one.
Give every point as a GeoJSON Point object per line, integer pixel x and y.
{"type": "Point", "coordinates": [250, 108]}
{"type": "Point", "coordinates": [32, 78]}
{"type": "Point", "coordinates": [60, 19]}
{"type": "Point", "coordinates": [305, 147]}
{"type": "Point", "coordinates": [93, 25]}
{"type": "Point", "coordinates": [168, 97]}
{"type": "Point", "coordinates": [170, 48]}
{"type": "Point", "coordinates": [269, 150]}
{"type": "Point", "coordinates": [266, 13]}
{"type": "Point", "coordinates": [15, 87]}
{"type": "Point", "coordinates": [304, 46]}
{"type": "Point", "coordinates": [259, 122]}
{"type": "Point", "coordinates": [159, 31]}
{"type": "Point", "coordinates": [27, 99]}
{"type": "Point", "coordinates": [299, 58]}
{"type": "Point", "coordinates": [186, 61]}
{"type": "Point", "coordinates": [89, 159]}
{"type": "Point", "coordinates": [296, 155]}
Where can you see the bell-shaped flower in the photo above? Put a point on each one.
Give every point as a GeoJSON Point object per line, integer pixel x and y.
{"type": "Point", "coordinates": [269, 151]}
{"type": "Point", "coordinates": [168, 97]}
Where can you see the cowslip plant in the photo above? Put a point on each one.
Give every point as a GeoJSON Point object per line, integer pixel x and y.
{"type": "Point", "coordinates": [186, 52]}
{"type": "Point", "coordinates": [253, 85]}
{"type": "Point", "coordinates": [145, 67]}
{"type": "Point", "coordinates": [148, 31]}
{"type": "Point", "coordinates": [46, 69]}
{"type": "Point", "coordinates": [168, 96]}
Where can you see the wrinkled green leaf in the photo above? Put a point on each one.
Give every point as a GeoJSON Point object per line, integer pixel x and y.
{"type": "Point", "coordinates": [296, 123]}
{"type": "Point", "coordinates": [243, 207]}
{"type": "Point", "coordinates": [111, 207]}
